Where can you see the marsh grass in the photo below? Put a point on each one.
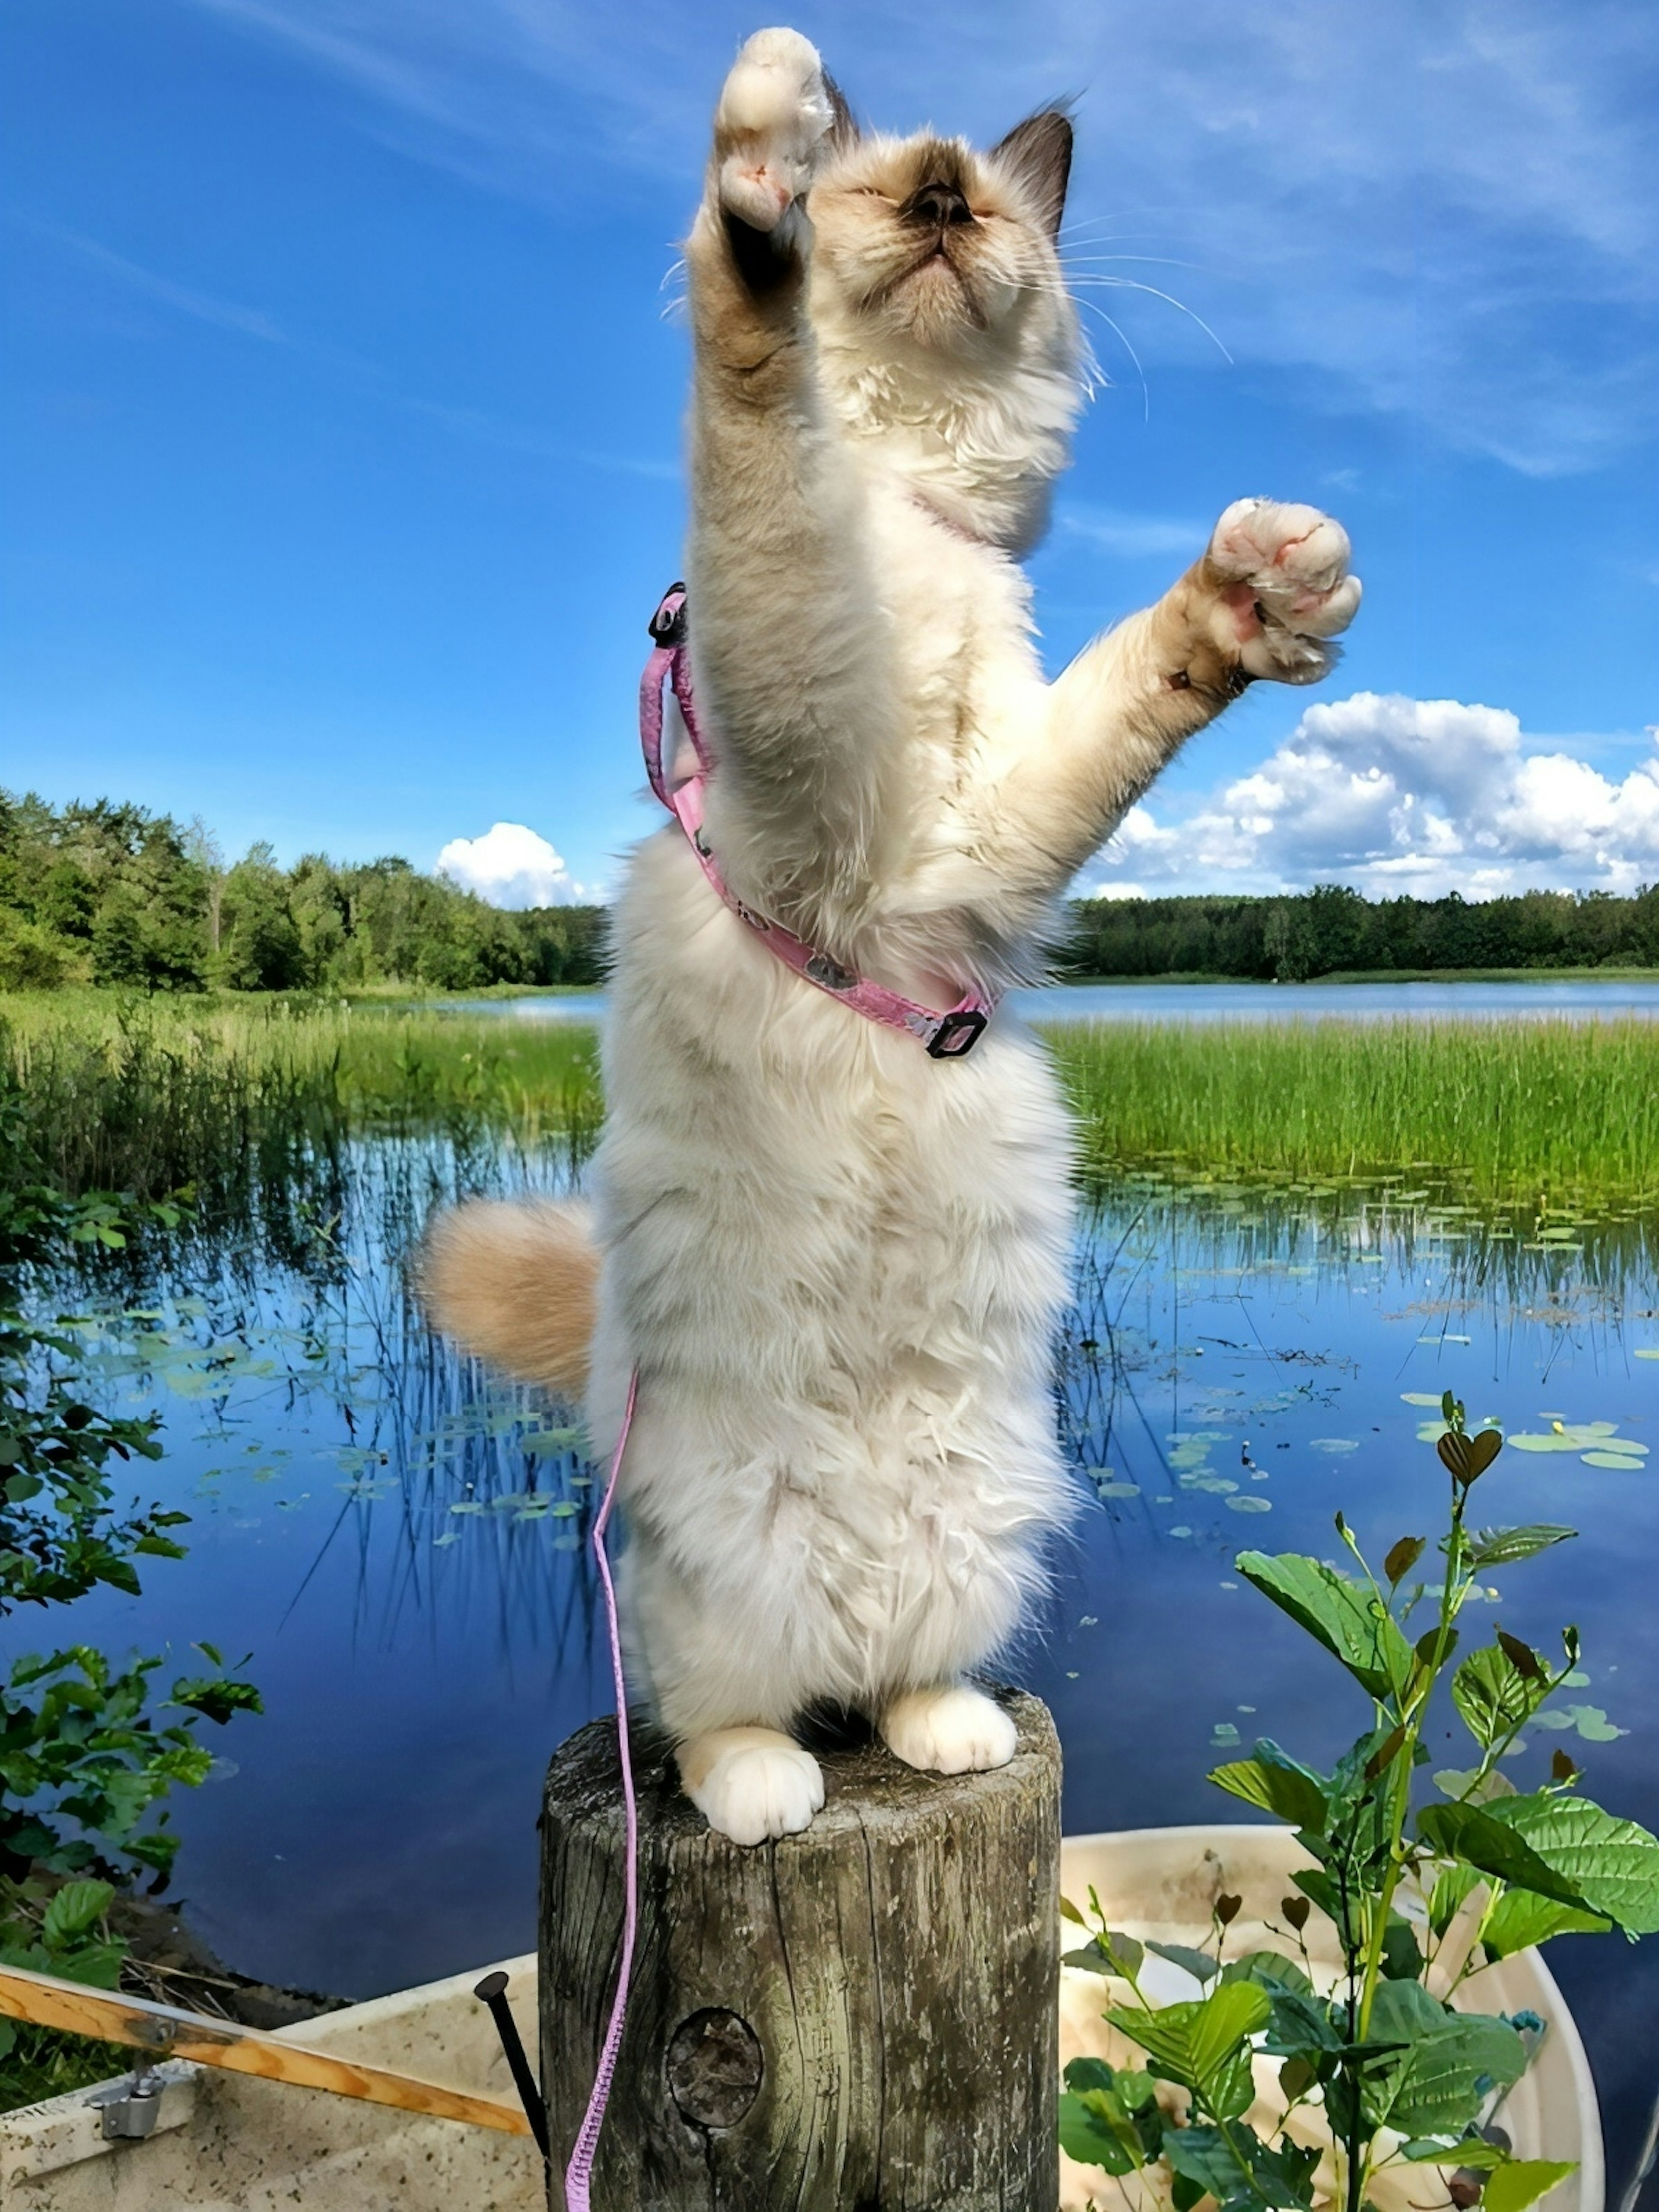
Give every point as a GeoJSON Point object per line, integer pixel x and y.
{"type": "Point", "coordinates": [1541, 1112]}
{"type": "Point", "coordinates": [153, 1096]}
{"type": "Point", "coordinates": [236, 1099]}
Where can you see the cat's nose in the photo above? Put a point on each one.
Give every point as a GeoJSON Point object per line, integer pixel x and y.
{"type": "Point", "coordinates": [936, 205]}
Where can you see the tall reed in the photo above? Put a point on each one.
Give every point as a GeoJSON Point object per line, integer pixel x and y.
{"type": "Point", "coordinates": [1553, 1112]}
{"type": "Point", "coordinates": [223, 1097]}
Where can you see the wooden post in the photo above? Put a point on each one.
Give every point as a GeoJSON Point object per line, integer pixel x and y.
{"type": "Point", "coordinates": [859, 2019]}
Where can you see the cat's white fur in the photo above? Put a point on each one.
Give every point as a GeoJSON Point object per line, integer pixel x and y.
{"type": "Point", "coordinates": [836, 1263]}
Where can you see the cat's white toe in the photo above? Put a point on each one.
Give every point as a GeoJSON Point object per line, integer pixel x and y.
{"type": "Point", "coordinates": [756, 1792]}
{"type": "Point", "coordinates": [1285, 588]}
{"type": "Point", "coordinates": [774, 113]}
{"type": "Point", "coordinates": [955, 1731]}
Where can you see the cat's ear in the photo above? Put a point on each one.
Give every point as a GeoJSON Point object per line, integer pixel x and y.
{"type": "Point", "coordinates": [844, 127]}
{"type": "Point", "coordinates": [1039, 153]}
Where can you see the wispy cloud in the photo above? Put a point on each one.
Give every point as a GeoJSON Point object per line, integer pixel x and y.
{"type": "Point", "coordinates": [475, 425]}
{"type": "Point", "coordinates": [1131, 537]}
{"type": "Point", "coordinates": [1453, 212]}
{"type": "Point", "coordinates": [201, 307]}
{"type": "Point", "coordinates": [1393, 794]}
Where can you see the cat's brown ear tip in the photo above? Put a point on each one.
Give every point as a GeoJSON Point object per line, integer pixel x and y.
{"type": "Point", "coordinates": [1038, 151]}
{"type": "Point", "coordinates": [844, 128]}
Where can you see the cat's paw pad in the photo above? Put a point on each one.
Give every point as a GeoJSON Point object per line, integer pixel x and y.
{"type": "Point", "coordinates": [774, 116]}
{"type": "Point", "coordinates": [1284, 588]}
{"type": "Point", "coordinates": [955, 1731]}
{"type": "Point", "coordinates": [756, 1792]}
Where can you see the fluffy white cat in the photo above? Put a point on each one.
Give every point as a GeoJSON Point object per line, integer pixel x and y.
{"type": "Point", "coordinates": [837, 1263]}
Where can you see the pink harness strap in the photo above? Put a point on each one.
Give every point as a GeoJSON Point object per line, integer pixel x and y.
{"type": "Point", "coordinates": [946, 1036]}
{"type": "Point", "coordinates": [579, 2174]}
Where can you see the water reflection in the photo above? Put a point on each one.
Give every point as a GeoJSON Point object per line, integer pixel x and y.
{"type": "Point", "coordinates": [397, 1537]}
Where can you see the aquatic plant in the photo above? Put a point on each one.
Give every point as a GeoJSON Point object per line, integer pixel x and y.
{"type": "Point", "coordinates": [1523, 1112]}
{"type": "Point", "coordinates": [249, 1102]}
{"type": "Point", "coordinates": [87, 1751]}
{"type": "Point", "coordinates": [1380, 2071]}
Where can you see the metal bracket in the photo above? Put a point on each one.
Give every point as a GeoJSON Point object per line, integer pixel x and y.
{"type": "Point", "coordinates": [131, 2115]}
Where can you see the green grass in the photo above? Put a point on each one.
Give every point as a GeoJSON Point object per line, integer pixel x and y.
{"type": "Point", "coordinates": [1545, 1111]}
{"type": "Point", "coordinates": [236, 1096]}
{"type": "Point", "coordinates": [227, 1098]}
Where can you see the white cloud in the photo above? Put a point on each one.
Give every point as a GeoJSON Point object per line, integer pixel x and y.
{"type": "Point", "coordinates": [512, 867]}
{"type": "Point", "coordinates": [1393, 794]}
{"type": "Point", "coordinates": [1450, 212]}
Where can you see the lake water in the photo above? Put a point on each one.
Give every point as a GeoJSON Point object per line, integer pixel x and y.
{"type": "Point", "coordinates": [1234, 1002]}
{"type": "Point", "coordinates": [399, 1542]}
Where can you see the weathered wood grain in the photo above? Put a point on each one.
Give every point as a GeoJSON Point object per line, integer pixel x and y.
{"type": "Point", "coordinates": [859, 2019]}
{"type": "Point", "coordinates": [166, 2031]}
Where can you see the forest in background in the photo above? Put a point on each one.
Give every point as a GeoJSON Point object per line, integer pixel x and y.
{"type": "Point", "coordinates": [110, 894]}
{"type": "Point", "coordinates": [113, 894]}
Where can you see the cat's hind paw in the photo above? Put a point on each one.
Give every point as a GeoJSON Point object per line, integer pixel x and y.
{"type": "Point", "coordinates": [751, 1783]}
{"type": "Point", "coordinates": [774, 114]}
{"type": "Point", "coordinates": [949, 1731]}
{"type": "Point", "coordinates": [1281, 574]}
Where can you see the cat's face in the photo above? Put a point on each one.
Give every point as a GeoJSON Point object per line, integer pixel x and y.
{"type": "Point", "coordinates": [926, 241]}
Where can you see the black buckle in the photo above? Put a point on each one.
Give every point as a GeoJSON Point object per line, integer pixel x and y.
{"type": "Point", "coordinates": [666, 627]}
{"type": "Point", "coordinates": [957, 1034]}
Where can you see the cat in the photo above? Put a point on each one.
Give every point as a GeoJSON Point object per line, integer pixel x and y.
{"type": "Point", "coordinates": [837, 1262]}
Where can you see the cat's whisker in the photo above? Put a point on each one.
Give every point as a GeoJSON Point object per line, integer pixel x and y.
{"type": "Point", "coordinates": [1152, 260]}
{"type": "Point", "coordinates": [1117, 331]}
{"type": "Point", "coordinates": [1129, 284]}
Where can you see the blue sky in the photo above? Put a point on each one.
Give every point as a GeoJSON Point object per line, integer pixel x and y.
{"type": "Point", "coordinates": [341, 411]}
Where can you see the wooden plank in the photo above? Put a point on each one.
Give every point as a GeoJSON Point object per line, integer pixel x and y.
{"type": "Point", "coordinates": [165, 2031]}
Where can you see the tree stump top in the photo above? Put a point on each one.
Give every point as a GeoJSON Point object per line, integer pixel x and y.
{"type": "Point", "coordinates": [865, 1787]}
{"type": "Point", "coordinates": [861, 2018]}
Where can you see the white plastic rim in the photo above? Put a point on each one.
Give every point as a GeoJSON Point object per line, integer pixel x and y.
{"type": "Point", "coordinates": [1162, 1882]}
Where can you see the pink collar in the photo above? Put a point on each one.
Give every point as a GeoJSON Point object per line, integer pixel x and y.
{"type": "Point", "coordinates": [947, 1036]}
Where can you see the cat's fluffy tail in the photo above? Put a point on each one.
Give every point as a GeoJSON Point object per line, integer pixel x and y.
{"type": "Point", "coordinates": [517, 1284]}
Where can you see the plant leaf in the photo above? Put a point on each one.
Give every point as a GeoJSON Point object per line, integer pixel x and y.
{"type": "Point", "coordinates": [1521, 1918]}
{"type": "Point", "coordinates": [1494, 1696]}
{"type": "Point", "coordinates": [1346, 1619]}
{"type": "Point", "coordinates": [1277, 1782]}
{"type": "Point", "coordinates": [1564, 1848]}
{"type": "Point", "coordinates": [77, 1907]}
{"type": "Point", "coordinates": [1522, 2181]}
{"type": "Point", "coordinates": [1504, 1547]}
{"type": "Point", "coordinates": [1403, 1557]}
{"type": "Point", "coordinates": [1087, 2134]}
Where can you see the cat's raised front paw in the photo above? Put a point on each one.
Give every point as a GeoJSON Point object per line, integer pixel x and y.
{"type": "Point", "coordinates": [1282, 578]}
{"type": "Point", "coordinates": [951, 1731]}
{"type": "Point", "coordinates": [751, 1783]}
{"type": "Point", "coordinates": [774, 116]}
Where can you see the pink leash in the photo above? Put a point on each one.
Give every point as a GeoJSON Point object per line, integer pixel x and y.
{"type": "Point", "coordinates": [579, 2172]}
{"type": "Point", "coordinates": [946, 1036]}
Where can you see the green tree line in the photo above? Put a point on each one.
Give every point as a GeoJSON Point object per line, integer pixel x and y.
{"type": "Point", "coordinates": [1333, 931]}
{"type": "Point", "coordinates": [112, 894]}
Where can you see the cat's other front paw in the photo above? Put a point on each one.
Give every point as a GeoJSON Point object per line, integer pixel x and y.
{"type": "Point", "coordinates": [1282, 588]}
{"type": "Point", "coordinates": [774, 116]}
{"type": "Point", "coordinates": [751, 1783]}
{"type": "Point", "coordinates": [949, 1731]}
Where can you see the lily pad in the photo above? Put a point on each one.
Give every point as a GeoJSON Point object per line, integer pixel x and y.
{"type": "Point", "coordinates": [1618, 1464]}
{"type": "Point", "coordinates": [1249, 1503]}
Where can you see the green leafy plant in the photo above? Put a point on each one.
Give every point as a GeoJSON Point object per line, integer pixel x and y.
{"type": "Point", "coordinates": [1379, 2063]}
{"type": "Point", "coordinates": [88, 1753]}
